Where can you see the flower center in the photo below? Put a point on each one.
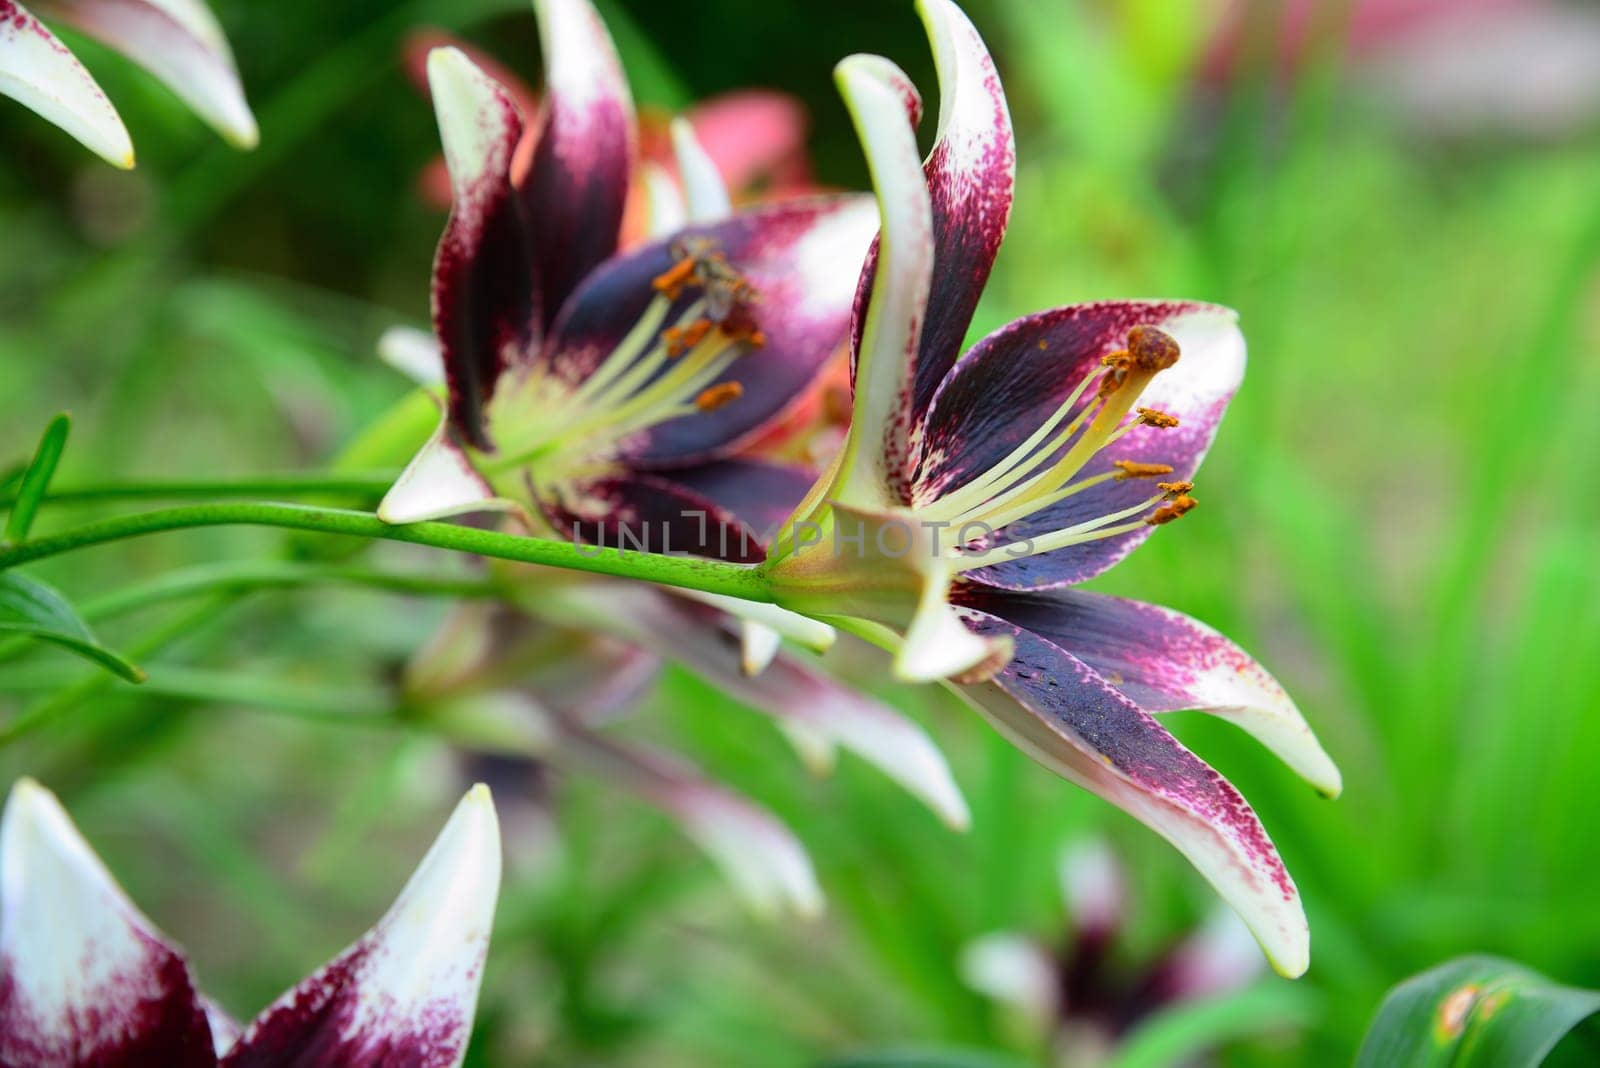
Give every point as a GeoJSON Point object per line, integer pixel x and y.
{"type": "Point", "coordinates": [1043, 470]}
{"type": "Point", "coordinates": [549, 430]}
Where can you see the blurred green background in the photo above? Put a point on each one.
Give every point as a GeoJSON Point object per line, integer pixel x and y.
{"type": "Point", "coordinates": [1400, 519]}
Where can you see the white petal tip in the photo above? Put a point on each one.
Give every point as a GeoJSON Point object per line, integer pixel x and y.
{"type": "Point", "coordinates": [439, 482]}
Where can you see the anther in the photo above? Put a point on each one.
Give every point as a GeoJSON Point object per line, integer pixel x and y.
{"type": "Point", "coordinates": [718, 396]}
{"type": "Point", "coordinates": [680, 339]}
{"type": "Point", "coordinates": [1175, 489]}
{"type": "Point", "coordinates": [1135, 469]}
{"type": "Point", "coordinates": [670, 283]}
{"type": "Point", "coordinates": [1152, 350]}
{"type": "Point", "coordinates": [1151, 417]}
{"type": "Point", "coordinates": [1168, 512]}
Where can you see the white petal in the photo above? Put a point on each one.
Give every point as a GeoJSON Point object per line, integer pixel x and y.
{"type": "Point", "coordinates": [440, 481]}
{"type": "Point", "coordinates": [84, 973]}
{"type": "Point", "coordinates": [937, 645]}
{"type": "Point", "coordinates": [758, 644]}
{"type": "Point", "coordinates": [1092, 885]}
{"type": "Point", "coordinates": [881, 100]}
{"type": "Point", "coordinates": [668, 213]}
{"type": "Point", "coordinates": [408, 989]}
{"type": "Point", "coordinates": [414, 353]}
{"type": "Point", "coordinates": [802, 630]}
{"type": "Point", "coordinates": [37, 70]}
{"type": "Point", "coordinates": [704, 191]}
{"type": "Point", "coordinates": [180, 43]}
{"type": "Point", "coordinates": [1013, 969]}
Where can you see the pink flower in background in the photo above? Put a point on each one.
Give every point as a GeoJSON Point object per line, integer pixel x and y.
{"type": "Point", "coordinates": [178, 41]}
{"type": "Point", "coordinates": [86, 980]}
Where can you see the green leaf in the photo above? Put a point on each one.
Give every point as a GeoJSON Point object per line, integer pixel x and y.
{"type": "Point", "coordinates": [36, 479]}
{"type": "Point", "coordinates": [926, 1058]}
{"type": "Point", "coordinates": [1474, 1011]}
{"type": "Point", "coordinates": [28, 606]}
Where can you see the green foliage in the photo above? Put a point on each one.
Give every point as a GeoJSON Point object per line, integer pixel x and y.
{"type": "Point", "coordinates": [35, 480]}
{"type": "Point", "coordinates": [30, 607]}
{"type": "Point", "coordinates": [1478, 1011]}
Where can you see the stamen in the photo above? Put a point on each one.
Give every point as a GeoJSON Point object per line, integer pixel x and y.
{"type": "Point", "coordinates": [1135, 469]}
{"type": "Point", "coordinates": [1152, 417]}
{"type": "Point", "coordinates": [1180, 506]}
{"type": "Point", "coordinates": [718, 396]}
{"type": "Point", "coordinates": [1152, 349]}
{"type": "Point", "coordinates": [670, 283]}
{"type": "Point", "coordinates": [1176, 489]}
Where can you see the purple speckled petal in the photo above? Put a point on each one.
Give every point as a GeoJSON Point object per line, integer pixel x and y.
{"type": "Point", "coordinates": [85, 979]}
{"type": "Point", "coordinates": [577, 182]}
{"type": "Point", "coordinates": [653, 514]}
{"type": "Point", "coordinates": [1055, 708]}
{"type": "Point", "coordinates": [1006, 386]}
{"type": "Point", "coordinates": [971, 173]}
{"type": "Point", "coordinates": [761, 493]}
{"type": "Point", "coordinates": [39, 71]}
{"type": "Point", "coordinates": [1164, 661]}
{"type": "Point", "coordinates": [404, 995]}
{"type": "Point", "coordinates": [790, 690]}
{"type": "Point", "coordinates": [180, 43]}
{"type": "Point", "coordinates": [483, 295]}
{"type": "Point", "coordinates": [800, 258]}
{"type": "Point", "coordinates": [760, 857]}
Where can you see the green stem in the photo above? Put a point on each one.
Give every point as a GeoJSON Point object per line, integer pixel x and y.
{"type": "Point", "coordinates": [708, 576]}
{"type": "Point", "coordinates": [289, 484]}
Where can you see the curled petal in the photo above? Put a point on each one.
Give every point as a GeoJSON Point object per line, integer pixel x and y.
{"type": "Point", "coordinates": [405, 993]}
{"type": "Point", "coordinates": [665, 211]}
{"type": "Point", "coordinates": [483, 294]}
{"type": "Point", "coordinates": [37, 70]}
{"type": "Point", "coordinates": [577, 183]}
{"type": "Point", "coordinates": [799, 260]}
{"type": "Point", "coordinates": [85, 979]}
{"type": "Point", "coordinates": [757, 854]}
{"type": "Point", "coordinates": [180, 43]}
{"type": "Point", "coordinates": [971, 174]}
{"type": "Point", "coordinates": [875, 461]}
{"type": "Point", "coordinates": [1165, 662]}
{"type": "Point", "coordinates": [1057, 710]}
{"type": "Point", "coordinates": [705, 195]}
{"type": "Point", "coordinates": [440, 481]}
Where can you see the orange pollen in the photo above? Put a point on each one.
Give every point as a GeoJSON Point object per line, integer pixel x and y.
{"type": "Point", "coordinates": [1152, 350]}
{"type": "Point", "coordinates": [1151, 417]}
{"type": "Point", "coordinates": [1177, 489]}
{"type": "Point", "coordinates": [1182, 505]}
{"type": "Point", "coordinates": [681, 339]}
{"type": "Point", "coordinates": [670, 283]}
{"type": "Point", "coordinates": [719, 395]}
{"type": "Point", "coordinates": [1135, 469]}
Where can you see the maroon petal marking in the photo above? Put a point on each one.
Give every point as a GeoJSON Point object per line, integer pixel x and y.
{"type": "Point", "coordinates": [484, 300]}
{"type": "Point", "coordinates": [577, 183]}
{"type": "Point", "coordinates": [404, 995]}
{"type": "Point", "coordinates": [1164, 661]}
{"type": "Point", "coordinates": [800, 260]}
{"type": "Point", "coordinates": [971, 174]}
{"type": "Point", "coordinates": [85, 979]}
{"type": "Point", "coordinates": [1060, 712]}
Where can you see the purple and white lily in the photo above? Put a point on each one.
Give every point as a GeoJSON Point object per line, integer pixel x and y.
{"type": "Point", "coordinates": [544, 679]}
{"type": "Point", "coordinates": [87, 980]}
{"type": "Point", "coordinates": [178, 41]}
{"type": "Point", "coordinates": [591, 391]}
{"type": "Point", "coordinates": [974, 487]}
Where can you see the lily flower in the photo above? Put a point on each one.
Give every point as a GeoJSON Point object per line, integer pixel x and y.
{"type": "Point", "coordinates": [543, 680]}
{"type": "Point", "coordinates": [753, 138]}
{"type": "Point", "coordinates": [178, 41]}
{"type": "Point", "coordinates": [87, 980]}
{"type": "Point", "coordinates": [598, 394]}
{"type": "Point", "coordinates": [1081, 996]}
{"type": "Point", "coordinates": [974, 488]}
